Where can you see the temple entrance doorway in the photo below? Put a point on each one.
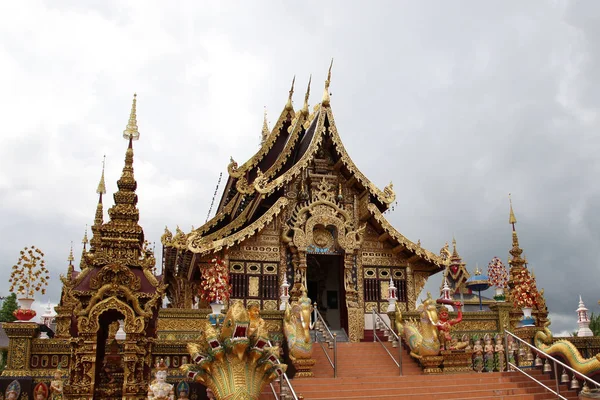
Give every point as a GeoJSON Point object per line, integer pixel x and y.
{"type": "Point", "coordinates": [325, 280]}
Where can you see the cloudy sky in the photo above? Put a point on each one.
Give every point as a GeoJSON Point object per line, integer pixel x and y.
{"type": "Point", "coordinates": [458, 103]}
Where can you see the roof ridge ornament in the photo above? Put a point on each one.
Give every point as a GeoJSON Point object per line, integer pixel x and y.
{"type": "Point", "coordinates": [306, 96]}
{"type": "Point", "coordinates": [326, 99]}
{"type": "Point", "coordinates": [289, 105]}
{"type": "Point", "coordinates": [264, 134]}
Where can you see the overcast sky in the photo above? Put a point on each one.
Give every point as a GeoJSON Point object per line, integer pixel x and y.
{"type": "Point", "coordinates": [458, 103]}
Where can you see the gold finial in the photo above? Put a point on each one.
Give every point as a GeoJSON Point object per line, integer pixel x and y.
{"type": "Point", "coordinates": [101, 186]}
{"type": "Point", "coordinates": [326, 98]}
{"type": "Point", "coordinates": [511, 219]}
{"type": "Point", "coordinates": [289, 106]}
{"type": "Point", "coordinates": [477, 270]}
{"type": "Point", "coordinates": [70, 259]}
{"type": "Point", "coordinates": [131, 131]}
{"type": "Point", "coordinates": [85, 238]}
{"type": "Point", "coordinates": [306, 96]}
{"type": "Point", "coordinates": [265, 128]}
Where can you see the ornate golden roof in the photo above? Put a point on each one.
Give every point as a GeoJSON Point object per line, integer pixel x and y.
{"type": "Point", "coordinates": [286, 114]}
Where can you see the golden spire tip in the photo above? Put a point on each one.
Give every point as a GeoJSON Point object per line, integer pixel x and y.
{"type": "Point", "coordinates": [102, 186]}
{"type": "Point", "coordinates": [307, 95]}
{"type": "Point", "coordinates": [511, 219]}
{"type": "Point", "coordinates": [85, 238]}
{"type": "Point", "coordinates": [131, 131]}
{"type": "Point", "coordinates": [326, 99]}
{"type": "Point", "coordinates": [288, 105]}
{"type": "Point", "coordinates": [265, 128]}
{"type": "Point", "coordinates": [70, 259]}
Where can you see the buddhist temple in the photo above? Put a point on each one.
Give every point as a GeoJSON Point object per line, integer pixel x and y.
{"type": "Point", "coordinates": [299, 246]}
{"type": "Point", "coordinates": [301, 210]}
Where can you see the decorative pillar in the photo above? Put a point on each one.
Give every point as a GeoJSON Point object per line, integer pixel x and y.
{"type": "Point", "coordinates": [19, 335]}
{"type": "Point", "coordinates": [503, 312]}
{"type": "Point", "coordinates": [411, 295]}
{"type": "Point", "coordinates": [356, 319]}
{"type": "Point", "coordinates": [63, 322]}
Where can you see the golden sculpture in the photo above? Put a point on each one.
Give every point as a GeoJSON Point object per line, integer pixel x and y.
{"type": "Point", "coordinates": [230, 363]}
{"type": "Point", "coordinates": [296, 327]}
{"type": "Point", "coordinates": [422, 337]}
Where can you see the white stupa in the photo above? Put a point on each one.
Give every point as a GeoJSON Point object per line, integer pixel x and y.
{"type": "Point", "coordinates": [48, 317]}
{"type": "Point", "coordinates": [446, 295]}
{"type": "Point", "coordinates": [583, 321]}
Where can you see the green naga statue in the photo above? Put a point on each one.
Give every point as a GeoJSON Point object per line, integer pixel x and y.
{"type": "Point", "coordinates": [567, 351]}
{"type": "Point", "coordinates": [231, 362]}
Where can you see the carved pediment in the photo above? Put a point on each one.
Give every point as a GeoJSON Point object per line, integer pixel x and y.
{"type": "Point", "coordinates": [115, 274]}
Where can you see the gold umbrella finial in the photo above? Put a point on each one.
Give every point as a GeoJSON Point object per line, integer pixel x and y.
{"type": "Point", "coordinates": [131, 130]}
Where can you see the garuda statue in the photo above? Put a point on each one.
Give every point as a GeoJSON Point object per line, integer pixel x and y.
{"type": "Point", "coordinates": [422, 336]}
{"type": "Point", "coordinates": [296, 327]}
{"type": "Point", "coordinates": [232, 363]}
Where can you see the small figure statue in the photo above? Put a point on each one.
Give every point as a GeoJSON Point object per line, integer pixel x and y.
{"type": "Point", "coordinates": [478, 355]}
{"type": "Point", "coordinates": [13, 390]}
{"type": "Point", "coordinates": [499, 354]}
{"type": "Point", "coordinates": [56, 386]}
{"type": "Point", "coordinates": [444, 326]}
{"type": "Point", "coordinates": [488, 357]}
{"type": "Point", "coordinates": [183, 390]}
{"type": "Point", "coordinates": [40, 392]}
{"type": "Point", "coordinates": [255, 320]}
{"type": "Point", "coordinates": [159, 389]}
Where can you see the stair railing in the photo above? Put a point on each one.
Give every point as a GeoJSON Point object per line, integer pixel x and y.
{"type": "Point", "coordinates": [320, 325]}
{"type": "Point", "coordinates": [283, 393]}
{"type": "Point", "coordinates": [556, 362]}
{"type": "Point", "coordinates": [378, 319]}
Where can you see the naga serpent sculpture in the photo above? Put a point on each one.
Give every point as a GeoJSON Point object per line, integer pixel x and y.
{"type": "Point", "coordinates": [231, 362]}
{"type": "Point", "coordinates": [567, 351]}
{"type": "Point", "coordinates": [422, 337]}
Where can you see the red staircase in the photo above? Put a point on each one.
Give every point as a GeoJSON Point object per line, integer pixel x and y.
{"type": "Point", "coordinates": [365, 371]}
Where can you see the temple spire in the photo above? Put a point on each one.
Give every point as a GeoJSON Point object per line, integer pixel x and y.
{"type": "Point", "coordinates": [265, 128]}
{"type": "Point", "coordinates": [99, 216]}
{"type": "Point", "coordinates": [124, 215]}
{"type": "Point", "coordinates": [70, 259]}
{"type": "Point", "coordinates": [516, 261]}
{"type": "Point", "coordinates": [101, 185]}
{"type": "Point", "coordinates": [454, 251]}
{"type": "Point", "coordinates": [289, 105]}
{"type": "Point", "coordinates": [84, 241]}
{"type": "Point", "coordinates": [306, 96]}
{"type": "Point", "coordinates": [326, 99]}
{"type": "Point", "coordinates": [511, 218]}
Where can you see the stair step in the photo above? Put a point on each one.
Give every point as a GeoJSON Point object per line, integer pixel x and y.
{"type": "Point", "coordinates": [366, 371]}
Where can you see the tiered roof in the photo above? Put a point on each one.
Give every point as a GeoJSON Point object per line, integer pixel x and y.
{"type": "Point", "coordinates": [254, 193]}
